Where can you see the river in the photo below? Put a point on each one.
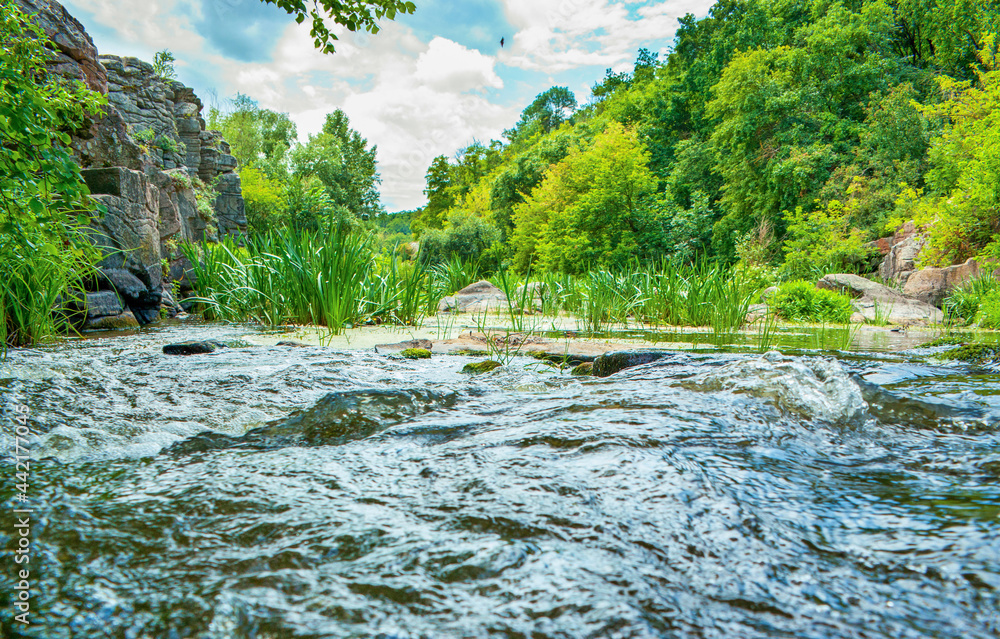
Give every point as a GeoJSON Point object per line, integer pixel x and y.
{"type": "Point", "coordinates": [711, 494]}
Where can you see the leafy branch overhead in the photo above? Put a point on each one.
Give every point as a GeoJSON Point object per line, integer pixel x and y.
{"type": "Point", "coordinates": [354, 15]}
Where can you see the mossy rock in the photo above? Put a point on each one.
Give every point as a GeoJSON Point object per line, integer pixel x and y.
{"type": "Point", "coordinates": [947, 340]}
{"type": "Point", "coordinates": [974, 353]}
{"type": "Point", "coordinates": [415, 353]}
{"type": "Point", "coordinates": [468, 352]}
{"type": "Point", "coordinates": [475, 368]}
{"type": "Point", "coordinates": [586, 368]}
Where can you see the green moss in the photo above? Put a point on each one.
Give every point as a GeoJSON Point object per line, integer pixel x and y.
{"type": "Point", "coordinates": [946, 340]}
{"type": "Point", "coordinates": [416, 353]}
{"type": "Point", "coordinates": [586, 368]}
{"type": "Point", "coordinates": [481, 367]}
{"type": "Point", "coordinates": [538, 354]}
{"type": "Point", "coordinates": [468, 352]}
{"type": "Point", "coordinates": [974, 353]}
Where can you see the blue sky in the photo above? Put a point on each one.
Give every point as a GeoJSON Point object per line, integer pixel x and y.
{"type": "Point", "coordinates": [428, 84]}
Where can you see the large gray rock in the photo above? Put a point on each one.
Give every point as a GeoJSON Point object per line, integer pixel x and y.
{"type": "Point", "coordinates": [875, 301]}
{"type": "Point", "coordinates": [479, 297]}
{"type": "Point", "coordinates": [103, 304]}
{"type": "Point", "coordinates": [932, 285]}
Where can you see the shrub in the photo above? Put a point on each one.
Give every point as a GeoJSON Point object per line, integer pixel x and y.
{"type": "Point", "coordinates": [801, 301]}
{"type": "Point", "coordinates": [965, 302]}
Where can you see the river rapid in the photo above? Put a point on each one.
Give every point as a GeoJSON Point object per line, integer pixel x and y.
{"type": "Point", "coordinates": [272, 492]}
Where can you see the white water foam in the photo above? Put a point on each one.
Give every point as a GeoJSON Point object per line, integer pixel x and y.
{"type": "Point", "coordinates": [814, 388]}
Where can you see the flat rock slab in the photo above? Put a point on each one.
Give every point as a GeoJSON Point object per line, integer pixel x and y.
{"type": "Point", "coordinates": [479, 297]}
{"type": "Point", "coordinates": [872, 299]}
{"type": "Point", "coordinates": [193, 348]}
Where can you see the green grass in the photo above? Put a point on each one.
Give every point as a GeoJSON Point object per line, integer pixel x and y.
{"type": "Point", "coordinates": [331, 279]}
{"type": "Point", "coordinates": [704, 294]}
{"type": "Point", "coordinates": [40, 288]}
{"type": "Point", "coordinates": [977, 301]}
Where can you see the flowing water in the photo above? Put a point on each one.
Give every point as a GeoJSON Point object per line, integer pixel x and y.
{"type": "Point", "coordinates": [271, 492]}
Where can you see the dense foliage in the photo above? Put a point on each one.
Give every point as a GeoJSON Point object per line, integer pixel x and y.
{"type": "Point", "coordinates": [44, 210]}
{"type": "Point", "coordinates": [824, 123]}
{"type": "Point", "coordinates": [331, 177]}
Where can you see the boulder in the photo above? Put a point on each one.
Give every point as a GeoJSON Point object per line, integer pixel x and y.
{"type": "Point", "coordinates": [103, 304]}
{"type": "Point", "coordinates": [611, 363]}
{"type": "Point", "coordinates": [479, 297]}
{"type": "Point", "coordinates": [475, 368]}
{"type": "Point", "coordinates": [875, 301]}
{"type": "Point", "coordinates": [932, 285]}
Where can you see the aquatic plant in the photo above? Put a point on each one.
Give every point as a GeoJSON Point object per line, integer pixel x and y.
{"type": "Point", "coordinates": [801, 301]}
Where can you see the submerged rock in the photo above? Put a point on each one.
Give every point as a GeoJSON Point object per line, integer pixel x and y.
{"type": "Point", "coordinates": [611, 363]}
{"type": "Point", "coordinates": [814, 388]}
{"type": "Point", "coordinates": [291, 343]}
{"type": "Point", "coordinates": [193, 348]}
{"type": "Point", "coordinates": [475, 368]}
{"type": "Point", "coordinates": [336, 419]}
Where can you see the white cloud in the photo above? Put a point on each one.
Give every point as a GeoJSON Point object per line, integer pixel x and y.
{"type": "Point", "coordinates": [448, 66]}
{"type": "Point", "coordinates": [558, 35]}
{"type": "Point", "coordinates": [414, 100]}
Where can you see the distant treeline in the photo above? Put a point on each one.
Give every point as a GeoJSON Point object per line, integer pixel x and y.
{"type": "Point", "coordinates": [786, 134]}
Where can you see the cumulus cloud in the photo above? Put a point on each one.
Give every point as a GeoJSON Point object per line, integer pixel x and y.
{"type": "Point", "coordinates": [559, 35]}
{"type": "Point", "coordinates": [414, 100]}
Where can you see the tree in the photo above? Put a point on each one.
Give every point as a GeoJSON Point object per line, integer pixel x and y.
{"type": "Point", "coordinates": [257, 137]}
{"type": "Point", "coordinates": [439, 198]}
{"type": "Point", "coordinates": [592, 208]}
{"type": "Point", "coordinates": [550, 109]}
{"type": "Point", "coordinates": [962, 202]}
{"type": "Point", "coordinates": [163, 65]}
{"type": "Point", "coordinates": [342, 162]}
{"type": "Point", "coordinates": [353, 14]}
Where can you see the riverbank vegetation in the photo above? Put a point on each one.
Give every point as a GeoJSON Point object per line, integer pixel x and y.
{"type": "Point", "coordinates": [44, 210]}
{"type": "Point", "coordinates": [777, 141]}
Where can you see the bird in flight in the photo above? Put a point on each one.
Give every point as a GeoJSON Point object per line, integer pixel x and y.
{"type": "Point", "coordinates": [501, 43]}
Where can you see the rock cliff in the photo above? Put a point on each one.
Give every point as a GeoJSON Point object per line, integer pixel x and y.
{"type": "Point", "coordinates": [147, 160]}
